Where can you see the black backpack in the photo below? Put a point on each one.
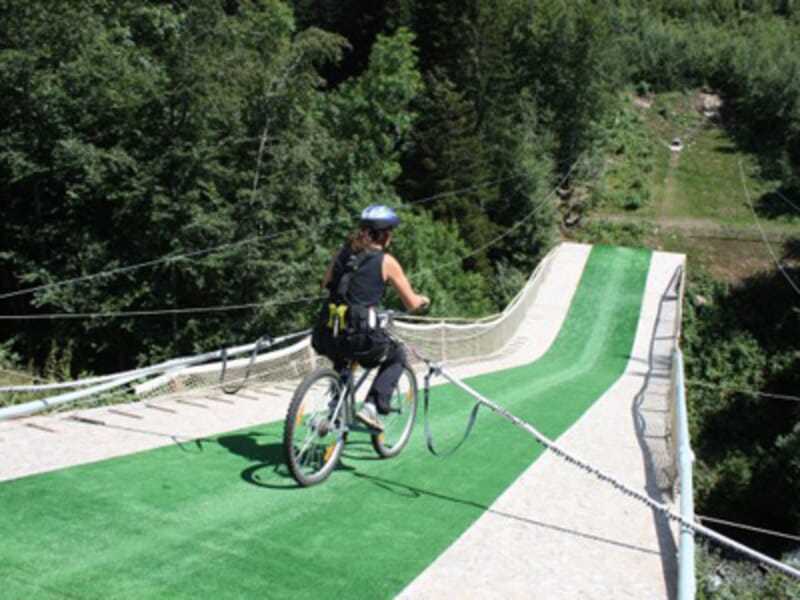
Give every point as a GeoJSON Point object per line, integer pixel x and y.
{"type": "Point", "coordinates": [344, 327]}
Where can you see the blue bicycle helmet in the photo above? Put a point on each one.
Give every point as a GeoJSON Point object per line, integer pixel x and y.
{"type": "Point", "coordinates": [379, 218]}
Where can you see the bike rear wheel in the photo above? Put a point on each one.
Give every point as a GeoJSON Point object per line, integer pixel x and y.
{"type": "Point", "coordinates": [397, 425]}
{"type": "Point", "coordinates": [311, 443]}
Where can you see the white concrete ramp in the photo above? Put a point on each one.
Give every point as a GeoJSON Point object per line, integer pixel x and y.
{"type": "Point", "coordinates": [555, 533]}
{"type": "Point", "coordinates": [560, 533]}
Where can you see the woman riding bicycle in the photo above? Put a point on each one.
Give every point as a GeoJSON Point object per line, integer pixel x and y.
{"type": "Point", "coordinates": [348, 327]}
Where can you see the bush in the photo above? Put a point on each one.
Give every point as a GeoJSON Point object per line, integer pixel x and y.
{"type": "Point", "coordinates": [721, 577]}
{"type": "Point", "coordinates": [602, 232]}
{"type": "Point", "coordinates": [624, 183]}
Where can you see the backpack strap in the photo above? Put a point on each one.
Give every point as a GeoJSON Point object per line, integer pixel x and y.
{"type": "Point", "coordinates": [354, 263]}
{"type": "Point", "coordinates": [339, 304]}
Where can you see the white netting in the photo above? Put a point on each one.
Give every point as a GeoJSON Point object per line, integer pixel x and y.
{"type": "Point", "coordinates": [445, 340]}
{"type": "Point", "coordinates": [450, 340]}
{"type": "Point", "coordinates": [286, 364]}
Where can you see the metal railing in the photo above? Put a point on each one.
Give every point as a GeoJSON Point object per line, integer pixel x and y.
{"type": "Point", "coordinates": [685, 457]}
{"type": "Point", "coordinates": [682, 453]}
{"type": "Point", "coordinates": [461, 338]}
{"type": "Point", "coordinates": [98, 385]}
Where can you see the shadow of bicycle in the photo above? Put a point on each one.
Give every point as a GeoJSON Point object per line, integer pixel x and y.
{"type": "Point", "coordinates": [266, 451]}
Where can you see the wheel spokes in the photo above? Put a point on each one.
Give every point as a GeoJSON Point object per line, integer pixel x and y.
{"type": "Point", "coordinates": [314, 440]}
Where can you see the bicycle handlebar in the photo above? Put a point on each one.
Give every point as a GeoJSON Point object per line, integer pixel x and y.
{"type": "Point", "coordinates": [386, 316]}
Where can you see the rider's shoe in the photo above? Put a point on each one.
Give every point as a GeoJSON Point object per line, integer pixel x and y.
{"type": "Point", "coordinates": [369, 416]}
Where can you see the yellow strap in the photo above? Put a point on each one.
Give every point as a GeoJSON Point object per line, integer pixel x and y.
{"type": "Point", "coordinates": [336, 311]}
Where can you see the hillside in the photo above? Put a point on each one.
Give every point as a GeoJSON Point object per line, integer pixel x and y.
{"type": "Point", "coordinates": [695, 200]}
{"type": "Point", "coordinates": [711, 201]}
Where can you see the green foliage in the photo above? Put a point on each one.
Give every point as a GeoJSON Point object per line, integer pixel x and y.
{"type": "Point", "coordinates": [360, 21]}
{"type": "Point", "coordinates": [507, 283]}
{"type": "Point", "coordinates": [446, 160]}
{"type": "Point", "coordinates": [370, 117]}
{"type": "Point", "coordinates": [567, 59]}
{"type": "Point", "coordinates": [58, 362]}
{"type": "Point", "coordinates": [431, 253]}
{"type": "Point", "coordinates": [610, 233]}
{"type": "Point", "coordinates": [137, 132]}
{"type": "Point", "coordinates": [746, 50]}
{"type": "Point", "coordinates": [721, 579]}
{"type": "Point", "coordinates": [624, 180]}
{"type": "Point", "coordinates": [740, 340]}
{"type": "Point", "coordinates": [526, 203]}
{"type": "Point", "coordinates": [765, 90]}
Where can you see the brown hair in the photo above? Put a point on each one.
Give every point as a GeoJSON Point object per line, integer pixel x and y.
{"type": "Point", "coordinates": [361, 239]}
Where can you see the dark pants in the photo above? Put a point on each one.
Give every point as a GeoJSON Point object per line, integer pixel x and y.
{"type": "Point", "coordinates": [371, 349]}
{"type": "Point", "coordinates": [389, 372]}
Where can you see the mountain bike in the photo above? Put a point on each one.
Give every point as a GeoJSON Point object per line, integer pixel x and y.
{"type": "Point", "coordinates": [323, 412]}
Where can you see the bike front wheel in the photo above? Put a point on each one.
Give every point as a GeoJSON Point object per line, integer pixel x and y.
{"type": "Point", "coordinates": [311, 442]}
{"type": "Point", "coordinates": [397, 425]}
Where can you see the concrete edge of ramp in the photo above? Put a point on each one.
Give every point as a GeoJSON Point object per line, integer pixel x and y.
{"type": "Point", "coordinates": [544, 319]}
{"type": "Point", "coordinates": [559, 532]}
{"type": "Point", "coordinates": [44, 443]}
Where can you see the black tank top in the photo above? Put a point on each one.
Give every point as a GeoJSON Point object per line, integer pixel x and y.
{"type": "Point", "coordinates": [366, 285]}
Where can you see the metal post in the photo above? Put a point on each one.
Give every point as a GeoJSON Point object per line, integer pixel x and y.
{"type": "Point", "coordinates": [686, 550]}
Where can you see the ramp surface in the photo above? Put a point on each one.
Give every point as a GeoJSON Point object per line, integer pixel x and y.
{"type": "Point", "coordinates": [219, 516]}
{"type": "Point", "coordinates": [560, 533]}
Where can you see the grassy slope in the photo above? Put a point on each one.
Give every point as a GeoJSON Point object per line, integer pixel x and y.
{"type": "Point", "coordinates": [220, 518]}
{"type": "Point", "coordinates": [698, 204]}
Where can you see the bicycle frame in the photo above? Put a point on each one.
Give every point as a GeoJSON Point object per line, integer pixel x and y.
{"type": "Point", "coordinates": [347, 398]}
{"type": "Point", "coordinates": [346, 375]}
{"type": "Point", "coordinates": [313, 439]}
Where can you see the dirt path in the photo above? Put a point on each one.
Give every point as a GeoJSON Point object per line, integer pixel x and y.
{"type": "Point", "coordinates": [668, 201]}
{"type": "Point", "coordinates": [702, 228]}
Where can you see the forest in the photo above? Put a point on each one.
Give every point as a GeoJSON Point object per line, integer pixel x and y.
{"type": "Point", "coordinates": [175, 176]}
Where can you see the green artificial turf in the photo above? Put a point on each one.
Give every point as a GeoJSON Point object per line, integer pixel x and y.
{"type": "Point", "coordinates": [221, 518]}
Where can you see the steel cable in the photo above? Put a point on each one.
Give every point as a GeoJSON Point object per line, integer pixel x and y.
{"type": "Point", "coordinates": [768, 532]}
{"type": "Point", "coordinates": [763, 235]}
{"type": "Point", "coordinates": [659, 507]}
{"type": "Point", "coordinates": [250, 306]}
{"type": "Point", "coordinates": [723, 388]}
{"type": "Point", "coordinates": [250, 240]}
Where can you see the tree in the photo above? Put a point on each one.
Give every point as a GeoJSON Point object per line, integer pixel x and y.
{"type": "Point", "coordinates": [135, 132]}
{"type": "Point", "coordinates": [741, 340]}
{"type": "Point", "coordinates": [370, 117]}
{"type": "Point", "coordinates": [445, 162]}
